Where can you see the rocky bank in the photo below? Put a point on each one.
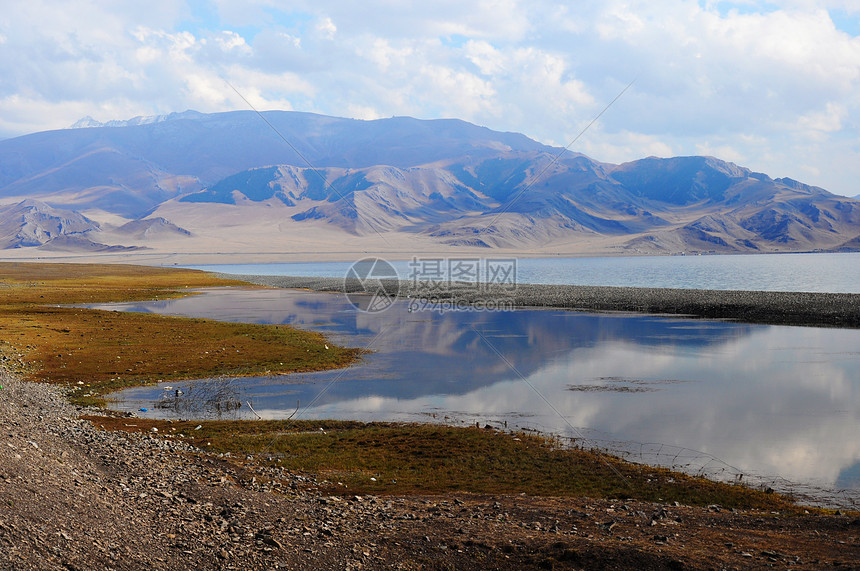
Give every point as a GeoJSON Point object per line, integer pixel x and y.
{"type": "Point", "coordinates": [73, 496]}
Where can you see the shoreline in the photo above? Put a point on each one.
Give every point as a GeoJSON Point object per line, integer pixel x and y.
{"type": "Point", "coordinates": [773, 308]}
{"type": "Point", "coordinates": [78, 494]}
{"type": "Point", "coordinates": [168, 258]}
{"type": "Point", "coordinates": [621, 300]}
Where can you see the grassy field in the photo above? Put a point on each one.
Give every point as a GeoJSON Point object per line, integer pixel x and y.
{"type": "Point", "coordinates": [396, 458]}
{"type": "Point", "coordinates": [97, 352]}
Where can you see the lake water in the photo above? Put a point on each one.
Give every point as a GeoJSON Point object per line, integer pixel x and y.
{"type": "Point", "coordinates": [777, 404]}
{"type": "Point", "coordinates": [835, 273]}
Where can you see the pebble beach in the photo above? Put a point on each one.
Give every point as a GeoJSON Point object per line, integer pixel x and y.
{"type": "Point", "coordinates": [778, 308]}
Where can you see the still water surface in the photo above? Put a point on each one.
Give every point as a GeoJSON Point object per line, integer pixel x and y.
{"type": "Point", "coordinates": [716, 397]}
{"type": "Point", "coordinates": [833, 273]}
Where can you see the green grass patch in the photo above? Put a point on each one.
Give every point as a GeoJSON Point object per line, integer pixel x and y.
{"type": "Point", "coordinates": [433, 459]}
{"type": "Point", "coordinates": [98, 352]}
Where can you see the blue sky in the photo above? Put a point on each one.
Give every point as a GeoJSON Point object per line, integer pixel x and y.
{"type": "Point", "coordinates": [771, 86]}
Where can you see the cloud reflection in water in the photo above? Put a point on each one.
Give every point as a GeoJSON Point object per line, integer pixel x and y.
{"type": "Point", "coordinates": [769, 399]}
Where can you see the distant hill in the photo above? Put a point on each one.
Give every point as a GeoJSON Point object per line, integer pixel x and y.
{"type": "Point", "coordinates": [152, 228]}
{"type": "Point", "coordinates": [131, 168]}
{"type": "Point", "coordinates": [229, 181]}
{"type": "Point", "coordinates": [32, 223]}
{"type": "Point", "coordinates": [664, 205]}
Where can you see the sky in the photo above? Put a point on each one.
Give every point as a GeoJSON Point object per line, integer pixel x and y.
{"type": "Point", "coordinates": [772, 87]}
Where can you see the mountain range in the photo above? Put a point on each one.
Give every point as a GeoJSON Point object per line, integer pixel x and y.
{"type": "Point", "coordinates": [243, 182]}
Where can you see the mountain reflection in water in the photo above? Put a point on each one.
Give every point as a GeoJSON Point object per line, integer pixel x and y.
{"type": "Point", "coordinates": [765, 399]}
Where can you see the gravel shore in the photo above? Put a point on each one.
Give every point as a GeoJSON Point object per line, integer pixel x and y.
{"type": "Point", "coordinates": [77, 497]}
{"type": "Point", "coordinates": [782, 308]}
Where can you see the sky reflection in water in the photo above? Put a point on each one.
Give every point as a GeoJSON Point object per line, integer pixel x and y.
{"type": "Point", "coordinates": [765, 399]}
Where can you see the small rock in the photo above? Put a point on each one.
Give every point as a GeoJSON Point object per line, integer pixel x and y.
{"type": "Point", "coordinates": [609, 525]}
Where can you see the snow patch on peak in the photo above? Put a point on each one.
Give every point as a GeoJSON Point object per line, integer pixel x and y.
{"type": "Point", "coordinates": [89, 123]}
{"type": "Point", "coordinates": [85, 123]}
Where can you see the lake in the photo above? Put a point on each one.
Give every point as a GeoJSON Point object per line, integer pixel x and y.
{"type": "Point", "coordinates": [833, 273]}
{"type": "Point", "coordinates": [779, 405]}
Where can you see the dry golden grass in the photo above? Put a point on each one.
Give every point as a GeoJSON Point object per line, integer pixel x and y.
{"type": "Point", "coordinates": [107, 350]}
{"type": "Point", "coordinates": [437, 459]}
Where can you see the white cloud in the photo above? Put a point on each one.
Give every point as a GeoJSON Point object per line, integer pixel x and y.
{"type": "Point", "coordinates": [382, 53]}
{"type": "Point", "coordinates": [363, 112]}
{"type": "Point", "coordinates": [207, 90]}
{"type": "Point", "coordinates": [622, 147]}
{"type": "Point", "coordinates": [458, 93]}
{"type": "Point", "coordinates": [231, 41]}
{"type": "Point", "coordinates": [826, 121]}
{"type": "Point", "coordinates": [275, 50]}
{"type": "Point", "coordinates": [812, 170]}
{"type": "Point", "coordinates": [618, 22]}
{"type": "Point", "coordinates": [480, 19]}
{"type": "Point", "coordinates": [725, 152]}
{"type": "Point", "coordinates": [326, 28]}
{"type": "Point", "coordinates": [263, 90]}
{"type": "Point", "coordinates": [485, 57]}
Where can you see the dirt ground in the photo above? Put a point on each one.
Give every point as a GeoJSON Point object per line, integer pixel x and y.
{"type": "Point", "coordinates": [76, 497]}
